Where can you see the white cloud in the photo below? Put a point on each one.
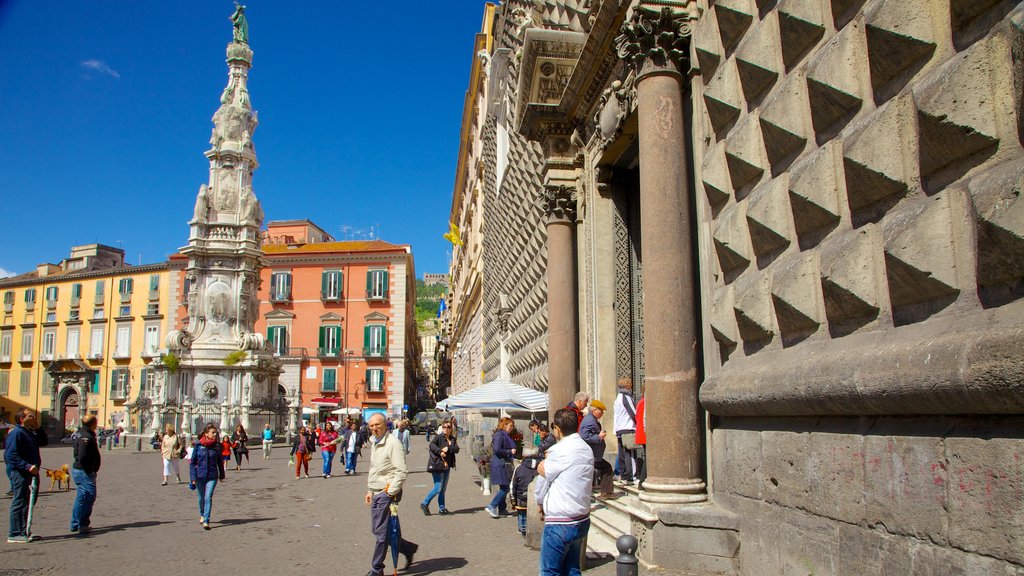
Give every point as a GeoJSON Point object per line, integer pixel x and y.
{"type": "Point", "coordinates": [5, 273]}
{"type": "Point", "coordinates": [99, 66]}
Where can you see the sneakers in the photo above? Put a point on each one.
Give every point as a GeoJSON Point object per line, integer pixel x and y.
{"type": "Point", "coordinates": [84, 529]}
{"type": "Point", "coordinates": [425, 508]}
{"type": "Point", "coordinates": [19, 539]}
{"type": "Point", "coordinates": [444, 512]}
{"type": "Point", "coordinates": [164, 483]}
{"type": "Point", "coordinates": [328, 476]}
{"type": "Point", "coordinates": [206, 525]}
{"type": "Point", "coordinates": [307, 475]}
{"type": "Point", "coordinates": [491, 510]}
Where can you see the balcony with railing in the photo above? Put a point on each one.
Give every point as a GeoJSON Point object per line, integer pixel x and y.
{"type": "Point", "coordinates": [328, 352]}
{"type": "Point", "coordinates": [331, 296]}
{"type": "Point", "coordinates": [280, 295]}
{"type": "Point", "coordinates": [375, 352]}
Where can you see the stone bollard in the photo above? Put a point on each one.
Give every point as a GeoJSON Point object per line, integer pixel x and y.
{"type": "Point", "coordinates": [138, 444]}
{"type": "Point", "coordinates": [110, 443]}
{"type": "Point", "coordinates": [626, 563]}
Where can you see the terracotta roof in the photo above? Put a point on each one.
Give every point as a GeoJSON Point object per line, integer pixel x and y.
{"type": "Point", "coordinates": [346, 246]}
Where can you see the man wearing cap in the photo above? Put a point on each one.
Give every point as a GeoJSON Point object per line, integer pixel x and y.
{"type": "Point", "coordinates": [593, 435]}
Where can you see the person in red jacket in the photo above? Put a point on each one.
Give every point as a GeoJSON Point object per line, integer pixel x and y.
{"type": "Point", "coordinates": [578, 404]}
{"type": "Point", "coordinates": [641, 440]}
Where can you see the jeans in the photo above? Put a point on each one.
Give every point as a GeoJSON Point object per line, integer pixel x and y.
{"type": "Point", "coordinates": [380, 523]}
{"type": "Point", "coordinates": [521, 520]}
{"type": "Point", "coordinates": [85, 497]}
{"type": "Point", "coordinates": [350, 461]}
{"type": "Point", "coordinates": [440, 485]}
{"type": "Point", "coordinates": [560, 548]}
{"type": "Point", "coordinates": [204, 489]}
{"type": "Point", "coordinates": [328, 457]}
{"type": "Point", "coordinates": [20, 485]}
{"type": "Point", "coordinates": [500, 500]}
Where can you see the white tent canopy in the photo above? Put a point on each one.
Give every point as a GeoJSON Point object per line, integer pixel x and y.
{"type": "Point", "coordinates": [347, 411]}
{"type": "Point", "coordinates": [498, 395]}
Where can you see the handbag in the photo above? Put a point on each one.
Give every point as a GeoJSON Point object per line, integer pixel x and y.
{"type": "Point", "coordinates": [629, 440]}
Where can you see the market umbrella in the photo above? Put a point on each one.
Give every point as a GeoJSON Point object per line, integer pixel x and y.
{"type": "Point", "coordinates": [394, 535]}
{"type": "Point", "coordinates": [498, 395]}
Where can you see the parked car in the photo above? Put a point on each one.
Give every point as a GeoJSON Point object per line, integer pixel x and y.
{"type": "Point", "coordinates": [431, 419]}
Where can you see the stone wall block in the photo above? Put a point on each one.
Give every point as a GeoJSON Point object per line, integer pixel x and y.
{"type": "Point", "coordinates": [787, 478]}
{"type": "Point", "coordinates": [905, 482]}
{"type": "Point", "coordinates": [769, 219]}
{"type": "Point", "coordinates": [732, 242]}
{"type": "Point", "coordinates": [759, 58]}
{"type": "Point", "coordinates": [965, 108]}
{"type": "Point", "coordinates": [843, 11]}
{"type": "Point", "coordinates": [801, 27]}
{"type": "Point", "coordinates": [797, 297]}
{"type": "Point", "coordinates": [986, 495]}
{"type": "Point", "coordinates": [929, 560]}
{"type": "Point", "coordinates": [723, 321]}
{"type": "Point", "coordinates": [785, 124]}
{"type": "Point", "coordinates": [743, 463]}
{"type": "Point", "coordinates": [745, 155]}
{"type": "Point", "coordinates": [707, 46]}
{"type": "Point", "coordinates": [715, 178]}
{"type": "Point", "coordinates": [733, 18]}
{"type": "Point", "coordinates": [880, 161]}
{"type": "Point", "coordinates": [972, 19]}
{"type": "Point", "coordinates": [866, 551]}
{"type": "Point", "coordinates": [817, 194]}
{"type": "Point", "coordinates": [809, 545]}
{"type": "Point", "coordinates": [838, 81]}
{"type": "Point", "coordinates": [723, 98]}
{"type": "Point", "coordinates": [903, 36]}
{"type": "Point", "coordinates": [836, 476]}
{"type": "Point", "coordinates": [753, 308]}
{"type": "Point", "coordinates": [761, 540]}
{"type": "Point", "coordinates": [1000, 233]}
{"type": "Point", "coordinates": [925, 243]}
{"type": "Point", "coordinates": [852, 280]}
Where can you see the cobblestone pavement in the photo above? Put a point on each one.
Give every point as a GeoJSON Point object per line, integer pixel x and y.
{"type": "Point", "coordinates": [264, 521]}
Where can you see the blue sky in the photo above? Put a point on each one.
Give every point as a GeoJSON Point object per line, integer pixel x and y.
{"type": "Point", "coordinates": [106, 112]}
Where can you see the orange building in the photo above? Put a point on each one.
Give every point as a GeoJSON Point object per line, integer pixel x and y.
{"type": "Point", "coordinates": [341, 317]}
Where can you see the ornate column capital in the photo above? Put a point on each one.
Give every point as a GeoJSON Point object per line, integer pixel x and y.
{"type": "Point", "coordinates": [560, 203]}
{"type": "Point", "coordinates": [655, 40]}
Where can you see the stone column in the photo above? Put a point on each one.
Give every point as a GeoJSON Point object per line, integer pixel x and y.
{"type": "Point", "coordinates": [655, 43]}
{"type": "Point", "coordinates": [560, 202]}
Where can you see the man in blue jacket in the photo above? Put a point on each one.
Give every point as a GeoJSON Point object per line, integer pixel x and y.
{"type": "Point", "coordinates": [21, 451]}
{"type": "Point", "coordinates": [593, 435]}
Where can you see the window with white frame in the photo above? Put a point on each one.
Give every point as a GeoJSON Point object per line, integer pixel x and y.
{"type": "Point", "coordinates": [49, 343]}
{"type": "Point", "coordinates": [51, 316]}
{"type": "Point", "coordinates": [96, 342]}
{"type": "Point", "coordinates": [9, 300]}
{"type": "Point", "coordinates": [26, 346]}
{"type": "Point", "coordinates": [152, 340]}
{"type": "Point", "coordinates": [124, 311]}
{"type": "Point", "coordinates": [329, 341]}
{"type": "Point", "coordinates": [51, 293]}
{"type": "Point", "coordinates": [6, 340]}
{"type": "Point", "coordinates": [98, 313]}
{"type": "Point", "coordinates": [280, 286]}
{"type": "Point", "coordinates": [71, 345]}
{"type": "Point", "coordinates": [148, 380]}
{"type": "Point", "coordinates": [278, 338]}
{"type": "Point", "coordinates": [119, 383]}
{"type": "Point", "coordinates": [375, 380]}
{"type": "Point", "coordinates": [76, 293]}
{"type": "Point", "coordinates": [125, 286]}
{"type": "Point", "coordinates": [377, 284]}
{"type": "Point", "coordinates": [30, 298]}
{"type": "Point", "coordinates": [124, 342]}
{"type": "Point", "coordinates": [330, 285]}
{"type": "Point", "coordinates": [26, 383]}
{"type": "Point", "coordinates": [375, 340]}
{"type": "Point", "coordinates": [5, 383]}
{"type": "Point", "coordinates": [330, 383]}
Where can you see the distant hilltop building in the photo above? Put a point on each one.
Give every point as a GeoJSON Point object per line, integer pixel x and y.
{"type": "Point", "coordinates": [434, 279]}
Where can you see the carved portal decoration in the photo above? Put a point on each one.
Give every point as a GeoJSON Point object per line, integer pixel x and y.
{"type": "Point", "coordinates": [655, 40]}
{"type": "Point", "coordinates": [218, 300]}
{"type": "Point", "coordinates": [560, 202]}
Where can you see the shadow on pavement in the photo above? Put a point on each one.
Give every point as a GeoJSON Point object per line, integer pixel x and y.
{"type": "Point", "coordinates": [105, 529]}
{"type": "Point", "coordinates": [237, 521]}
{"type": "Point", "coordinates": [468, 510]}
{"type": "Point", "coordinates": [434, 565]}
{"type": "Point", "coordinates": [598, 562]}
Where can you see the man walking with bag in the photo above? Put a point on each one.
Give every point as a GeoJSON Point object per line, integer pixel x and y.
{"type": "Point", "coordinates": [384, 487]}
{"type": "Point", "coordinates": [625, 430]}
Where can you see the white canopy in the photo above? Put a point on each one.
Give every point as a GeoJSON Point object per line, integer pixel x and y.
{"type": "Point", "coordinates": [498, 395]}
{"type": "Point", "coordinates": [347, 411]}
{"type": "Point", "coordinates": [308, 410]}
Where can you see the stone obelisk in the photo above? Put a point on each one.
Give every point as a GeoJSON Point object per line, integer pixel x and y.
{"type": "Point", "coordinates": [224, 368]}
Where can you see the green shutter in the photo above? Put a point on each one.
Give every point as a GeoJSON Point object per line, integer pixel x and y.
{"type": "Point", "coordinates": [143, 380]}
{"type": "Point", "coordinates": [369, 283]}
{"type": "Point", "coordinates": [369, 386]}
{"type": "Point", "coordinates": [385, 282]}
{"type": "Point", "coordinates": [99, 288]}
{"type": "Point", "coordinates": [154, 282]}
{"type": "Point", "coordinates": [76, 290]}
{"type": "Point", "coordinates": [323, 337]}
{"type": "Point", "coordinates": [383, 339]}
{"type": "Point", "coordinates": [323, 283]}
{"type": "Point", "coordinates": [367, 344]}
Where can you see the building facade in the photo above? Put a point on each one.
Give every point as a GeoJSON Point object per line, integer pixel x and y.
{"type": "Point", "coordinates": [91, 316]}
{"type": "Point", "coordinates": [795, 225]}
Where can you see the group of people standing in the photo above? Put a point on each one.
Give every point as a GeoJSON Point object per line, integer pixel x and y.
{"type": "Point", "coordinates": [351, 439]}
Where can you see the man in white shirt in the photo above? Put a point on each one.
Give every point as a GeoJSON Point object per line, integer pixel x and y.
{"type": "Point", "coordinates": [563, 496]}
{"type": "Point", "coordinates": [384, 487]}
{"type": "Point", "coordinates": [625, 423]}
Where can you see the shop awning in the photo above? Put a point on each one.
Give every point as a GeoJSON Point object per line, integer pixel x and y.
{"type": "Point", "coordinates": [325, 401]}
{"type": "Point", "coordinates": [498, 395]}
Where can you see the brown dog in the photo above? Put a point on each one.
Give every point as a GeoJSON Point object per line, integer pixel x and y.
{"type": "Point", "coordinates": [59, 477]}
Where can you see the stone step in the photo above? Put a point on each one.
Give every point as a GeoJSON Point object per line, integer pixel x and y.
{"type": "Point", "coordinates": [618, 523]}
{"type": "Point", "coordinates": [630, 506]}
{"type": "Point", "coordinates": [599, 543]}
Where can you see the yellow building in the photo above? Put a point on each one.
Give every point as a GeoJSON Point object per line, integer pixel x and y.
{"type": "Point", "coordinates": [91, 324]}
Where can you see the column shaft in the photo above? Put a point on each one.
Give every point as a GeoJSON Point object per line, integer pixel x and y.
{"type": "Point", "coordinates": [670, 331]}
{"type": "Point", "coordinates": [562, 338]}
